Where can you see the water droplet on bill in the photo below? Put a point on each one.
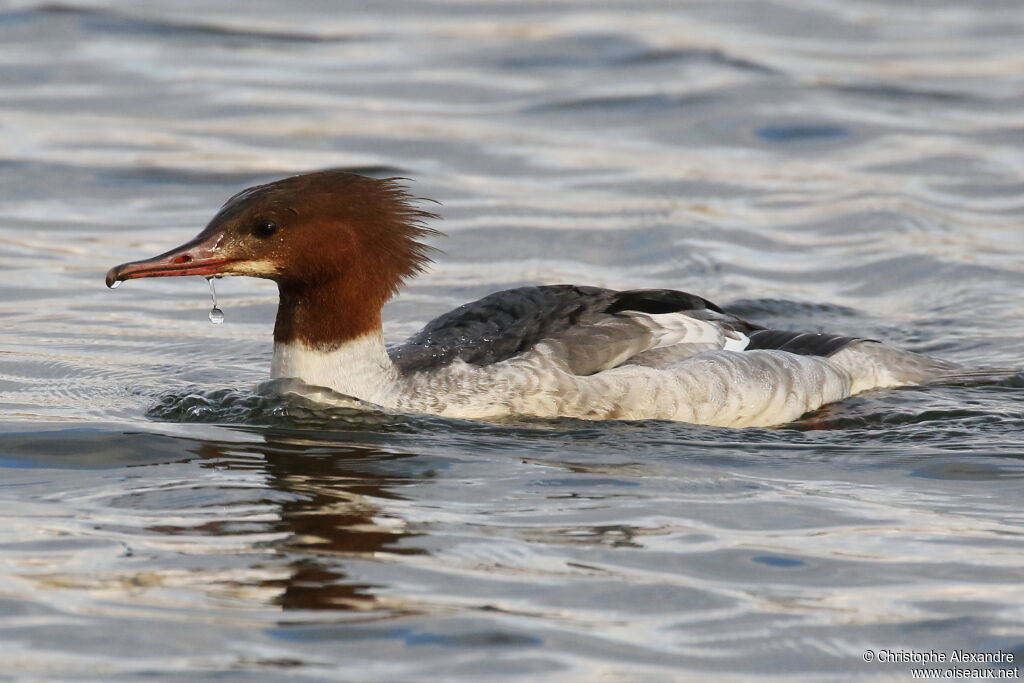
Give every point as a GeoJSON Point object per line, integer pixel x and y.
{"type": "Point", "coordinates": [115, 284]}
{"type": "Point", "coordinates": [216, 315]}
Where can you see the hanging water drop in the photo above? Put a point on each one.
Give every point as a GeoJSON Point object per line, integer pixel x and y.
{"type": "Point", "coordinates": [115, 284]}
{"type": "Point", "coordinates": [216, 315]}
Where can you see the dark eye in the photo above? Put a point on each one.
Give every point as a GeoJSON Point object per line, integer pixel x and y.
{"type": "Point", "coordinates": [264, 228]}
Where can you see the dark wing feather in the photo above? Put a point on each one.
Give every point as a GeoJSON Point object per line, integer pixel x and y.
{"type": "Point", "coordinates": [658, 301]}
{"type": "Point", "coordinates": [801, 343]}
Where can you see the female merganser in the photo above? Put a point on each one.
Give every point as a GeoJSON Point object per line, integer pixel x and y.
{"type": "Point", "coordinates": [340, 245]}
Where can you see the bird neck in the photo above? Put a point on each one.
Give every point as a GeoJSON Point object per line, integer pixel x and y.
{"type": "Point", "coordinates": [330, 335]}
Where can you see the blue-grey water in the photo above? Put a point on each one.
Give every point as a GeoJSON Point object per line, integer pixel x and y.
{"type": "Point", "coordinates": [855, 166]}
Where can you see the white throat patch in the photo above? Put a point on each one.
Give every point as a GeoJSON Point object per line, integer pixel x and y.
{"type": "Point", "coordinates": [360, 368]}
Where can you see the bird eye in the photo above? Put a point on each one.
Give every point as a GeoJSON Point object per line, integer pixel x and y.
{"type": "Point", "coordinates": [264, 228]}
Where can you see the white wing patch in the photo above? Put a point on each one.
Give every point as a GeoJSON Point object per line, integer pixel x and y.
{"type": "Point", "coordinates": [669, 329]}
{"type": "Point", "coordinates": [736, 341]}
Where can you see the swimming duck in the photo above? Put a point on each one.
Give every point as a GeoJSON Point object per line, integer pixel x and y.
{"type": "Point", "coordinates": [340, 245]}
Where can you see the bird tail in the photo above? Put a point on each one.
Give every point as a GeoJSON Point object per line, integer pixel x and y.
{"type": "Point", "coordinates": [954, 375]}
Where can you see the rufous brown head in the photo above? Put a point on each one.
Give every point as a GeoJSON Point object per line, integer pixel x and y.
{"type": "Point", "coordinates": [306, 229]}
{"type": "Point", "coordinates": [319, 235]}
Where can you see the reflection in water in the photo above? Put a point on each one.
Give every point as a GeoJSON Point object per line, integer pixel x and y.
{"type": "Point", "coordinates": [338, 515]}
{"type": "Point", "coordinates": [849, 166]}
{"type": "Point", "coordinates": [330, 509]}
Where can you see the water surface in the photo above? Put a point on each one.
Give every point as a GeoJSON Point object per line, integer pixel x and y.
{"type": "Point", "coordinates": [854, 166]}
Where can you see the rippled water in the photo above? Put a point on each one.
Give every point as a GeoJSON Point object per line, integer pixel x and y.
{"type": "Point", "coordinates": [848, 165]}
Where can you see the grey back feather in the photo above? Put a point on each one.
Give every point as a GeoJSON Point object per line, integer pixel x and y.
{"type": "Point", "coordinates": [587, 329]}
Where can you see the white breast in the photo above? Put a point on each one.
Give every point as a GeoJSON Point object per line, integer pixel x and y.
{"type": "Point", "coordinates": [359, 368]}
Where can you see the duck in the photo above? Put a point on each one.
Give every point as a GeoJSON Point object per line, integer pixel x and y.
{"type": "Point", "coordinates": [340, 245]}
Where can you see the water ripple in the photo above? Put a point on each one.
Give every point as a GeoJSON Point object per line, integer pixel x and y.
{"type": "Point", "coordinates": [849, 166]}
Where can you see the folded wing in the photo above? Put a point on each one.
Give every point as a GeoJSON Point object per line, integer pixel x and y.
{"type": "Point", "coordinates": [589, 329]}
